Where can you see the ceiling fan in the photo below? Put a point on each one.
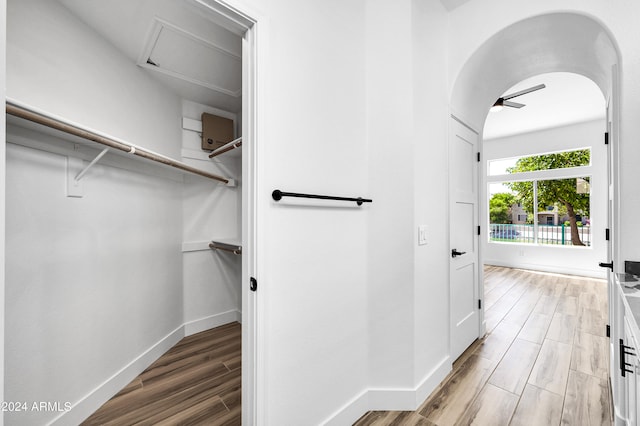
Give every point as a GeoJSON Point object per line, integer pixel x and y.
{"type": "Point", "coordinates": [504, 100]}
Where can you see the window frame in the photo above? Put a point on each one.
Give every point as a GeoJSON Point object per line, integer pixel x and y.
{"type": "Point", "coordinates": [534, 177]}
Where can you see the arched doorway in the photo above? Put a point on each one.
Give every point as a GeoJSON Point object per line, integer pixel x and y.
{"type": "Point", "coordinates": [567, 42]}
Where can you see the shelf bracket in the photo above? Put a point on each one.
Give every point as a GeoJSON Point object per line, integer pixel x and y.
{"type": "Point", "coordinates": [84, 171]}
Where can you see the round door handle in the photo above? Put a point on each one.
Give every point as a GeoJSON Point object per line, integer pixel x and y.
{"type": "Point", "coordinates": [455, 253]}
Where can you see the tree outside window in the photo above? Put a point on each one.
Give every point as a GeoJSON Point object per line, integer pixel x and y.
{"type": "Point", "coordinates": [569, 194]}
{"type": "Point", "coordinates": [538, 210]}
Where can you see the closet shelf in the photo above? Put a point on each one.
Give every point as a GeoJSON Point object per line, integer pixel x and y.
{"type": "Point", "coordinates": [219, 245]}
{"type": "Point", "coordinates": [236, 143]}
{"type": "Point", "coordinates": [26, 113]}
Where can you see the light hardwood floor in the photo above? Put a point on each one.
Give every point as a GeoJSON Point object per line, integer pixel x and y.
{"type": "Point", "coordinates": [544, 360]}
{"type": "Point", "coordinates": [197, 382]}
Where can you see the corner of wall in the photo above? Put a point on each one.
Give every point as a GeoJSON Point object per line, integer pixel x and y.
{"type": "Point", "coordinates": [391, 399]}
{"type": "Point", "coordinates": [82, 409]}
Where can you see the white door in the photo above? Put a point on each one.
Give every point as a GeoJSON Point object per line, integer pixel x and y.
{"type": "Point", "coordinates": [463, 236]}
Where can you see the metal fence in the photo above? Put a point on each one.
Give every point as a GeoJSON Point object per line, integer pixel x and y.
{"type": "Point", "coordinates": [547, 234]}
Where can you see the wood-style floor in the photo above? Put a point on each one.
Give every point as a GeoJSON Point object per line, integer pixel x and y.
{"type": "Point", "coordinates": [544, 360]}
{"type": "Point", "coordinates": [197, 382]}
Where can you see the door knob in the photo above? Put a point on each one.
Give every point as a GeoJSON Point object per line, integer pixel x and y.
{"type": "Point", "coordinates": [455, 253]}
{"type": "Point", "coordinates": [606, 265]}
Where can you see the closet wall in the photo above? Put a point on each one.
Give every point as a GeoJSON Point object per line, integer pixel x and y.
{"type": "Point", "coordinates": [97, 287]}
{"type": "Point", "coordinates": [212, 279]}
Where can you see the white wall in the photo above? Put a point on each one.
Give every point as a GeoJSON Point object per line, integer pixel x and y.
{"type": "Point", "coordinates": [91, 283]}
{"type": "Point", "coordinates": [342, 301]}
{"type": "Point", "coordinates": [390, 117]}
{"type": "Point", "coordinates": [312, 261]}
{"type": "Point", "coordinates": [407, 127]}
{"type": "Point", "coordinates": [572, 260]}
{"type": "Point", "coordinates": [211, 279]}
{"type": "Point", "coordinates": [430, 262]}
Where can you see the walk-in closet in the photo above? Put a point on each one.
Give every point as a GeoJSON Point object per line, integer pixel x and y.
{"type": "Point", "coordinates": [124, 213]}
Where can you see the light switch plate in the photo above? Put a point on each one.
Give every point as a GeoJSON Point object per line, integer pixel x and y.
{"type": "Point", "coordinates": [422, 235]}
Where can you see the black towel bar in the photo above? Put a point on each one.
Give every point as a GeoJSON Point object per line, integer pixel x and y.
{"type": "Point", "coordinates": [277, 195]}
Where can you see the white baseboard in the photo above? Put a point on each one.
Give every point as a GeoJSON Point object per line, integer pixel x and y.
{"type": "Point", "coordinates": [94, 399]}
{"type": "Point", "coordinates": [391, 399]}
{"type": "Point", "coordinates": [432, 379]}
{"type": "Point", "coordinates": [350, 412]}
{"type": "Point", "coordinates": [565, 270]}
{"type": "Point", "coordinates": [202, 324]}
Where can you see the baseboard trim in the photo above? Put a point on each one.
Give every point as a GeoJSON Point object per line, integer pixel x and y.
{"type": "Point", "coordinates": [432, 380]}
{"type": "Point", "coordinates": [212, 321]}
{"type": "Point", "coordinates": [391, 399]}
{"type": "Point", "coordinates": [94, 399]}
{"type": "Point", "coordinates": [350, 412]}
{"type": "Point", "coordinates": [564, 270]}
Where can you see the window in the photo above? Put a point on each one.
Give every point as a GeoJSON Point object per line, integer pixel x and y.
{"type": "Point", "coordinates": [552, 207]}
{"type": "Point", "coordinates": [548, 161]}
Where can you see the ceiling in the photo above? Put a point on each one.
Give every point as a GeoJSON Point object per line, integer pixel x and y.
{"type": "Point", "coordinates": [568, 98]}
{"type": "Point", "coordinates": [174, 41]}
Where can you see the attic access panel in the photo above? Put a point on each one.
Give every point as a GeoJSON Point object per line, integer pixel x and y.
{"type": "Point", "coordinates": [176, 52]}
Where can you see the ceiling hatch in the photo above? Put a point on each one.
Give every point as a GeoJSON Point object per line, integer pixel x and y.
{"type": "Point", "coordinates": [173, 51]}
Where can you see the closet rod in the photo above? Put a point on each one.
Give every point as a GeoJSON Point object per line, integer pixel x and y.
{"type": "Point", "coordinates": [216, 245]}
{"type": "Point", "coordinates": [277, 195]}
{"type": "Point", "coordinates": [56, 124]}
{"type": "Point", "coordinates": [236, 143]}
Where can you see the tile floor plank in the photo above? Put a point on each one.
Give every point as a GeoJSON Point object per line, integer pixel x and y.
{"type": "Point", "coordinates": [451, 400]}
{"type": "Point", "coordinates": [523, 308]}
{"type": "Point", "coordinates": [393, 418]}
{"type": "Point", "coordinates": [552, 367]}
{"type": "Point", "coordinates": [513, 370]}
{"type": "Point", "coordinates": [562, 328]}
{"type": "Point", "coordinates": [587, 400]}
{"type": "Point", "coordinates": [591, 355]}
{"type": "Point", "coordinates": [538, 407]}
{"type": "Point", "coordinates": [493, 406]}
{"type": "Point", "coordinates": [496, 344]}
{"type": "Point", "coordinates": [535, 329]}
{"type": "Point", "coordinates": [591, 321]}
{"type": "Point", "coordinates": [546, 304]}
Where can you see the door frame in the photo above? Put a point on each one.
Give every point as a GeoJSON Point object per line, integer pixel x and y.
{"type": "Point", "coordinates": [613, 245]}
{"type": "Point", "coordinates": [245, 23]}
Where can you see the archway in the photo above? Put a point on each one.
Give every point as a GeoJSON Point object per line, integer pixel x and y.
{"type": "Point", "coordinates": [566, 42]}
{"type": "Point", "coordinates": [547, 43]}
